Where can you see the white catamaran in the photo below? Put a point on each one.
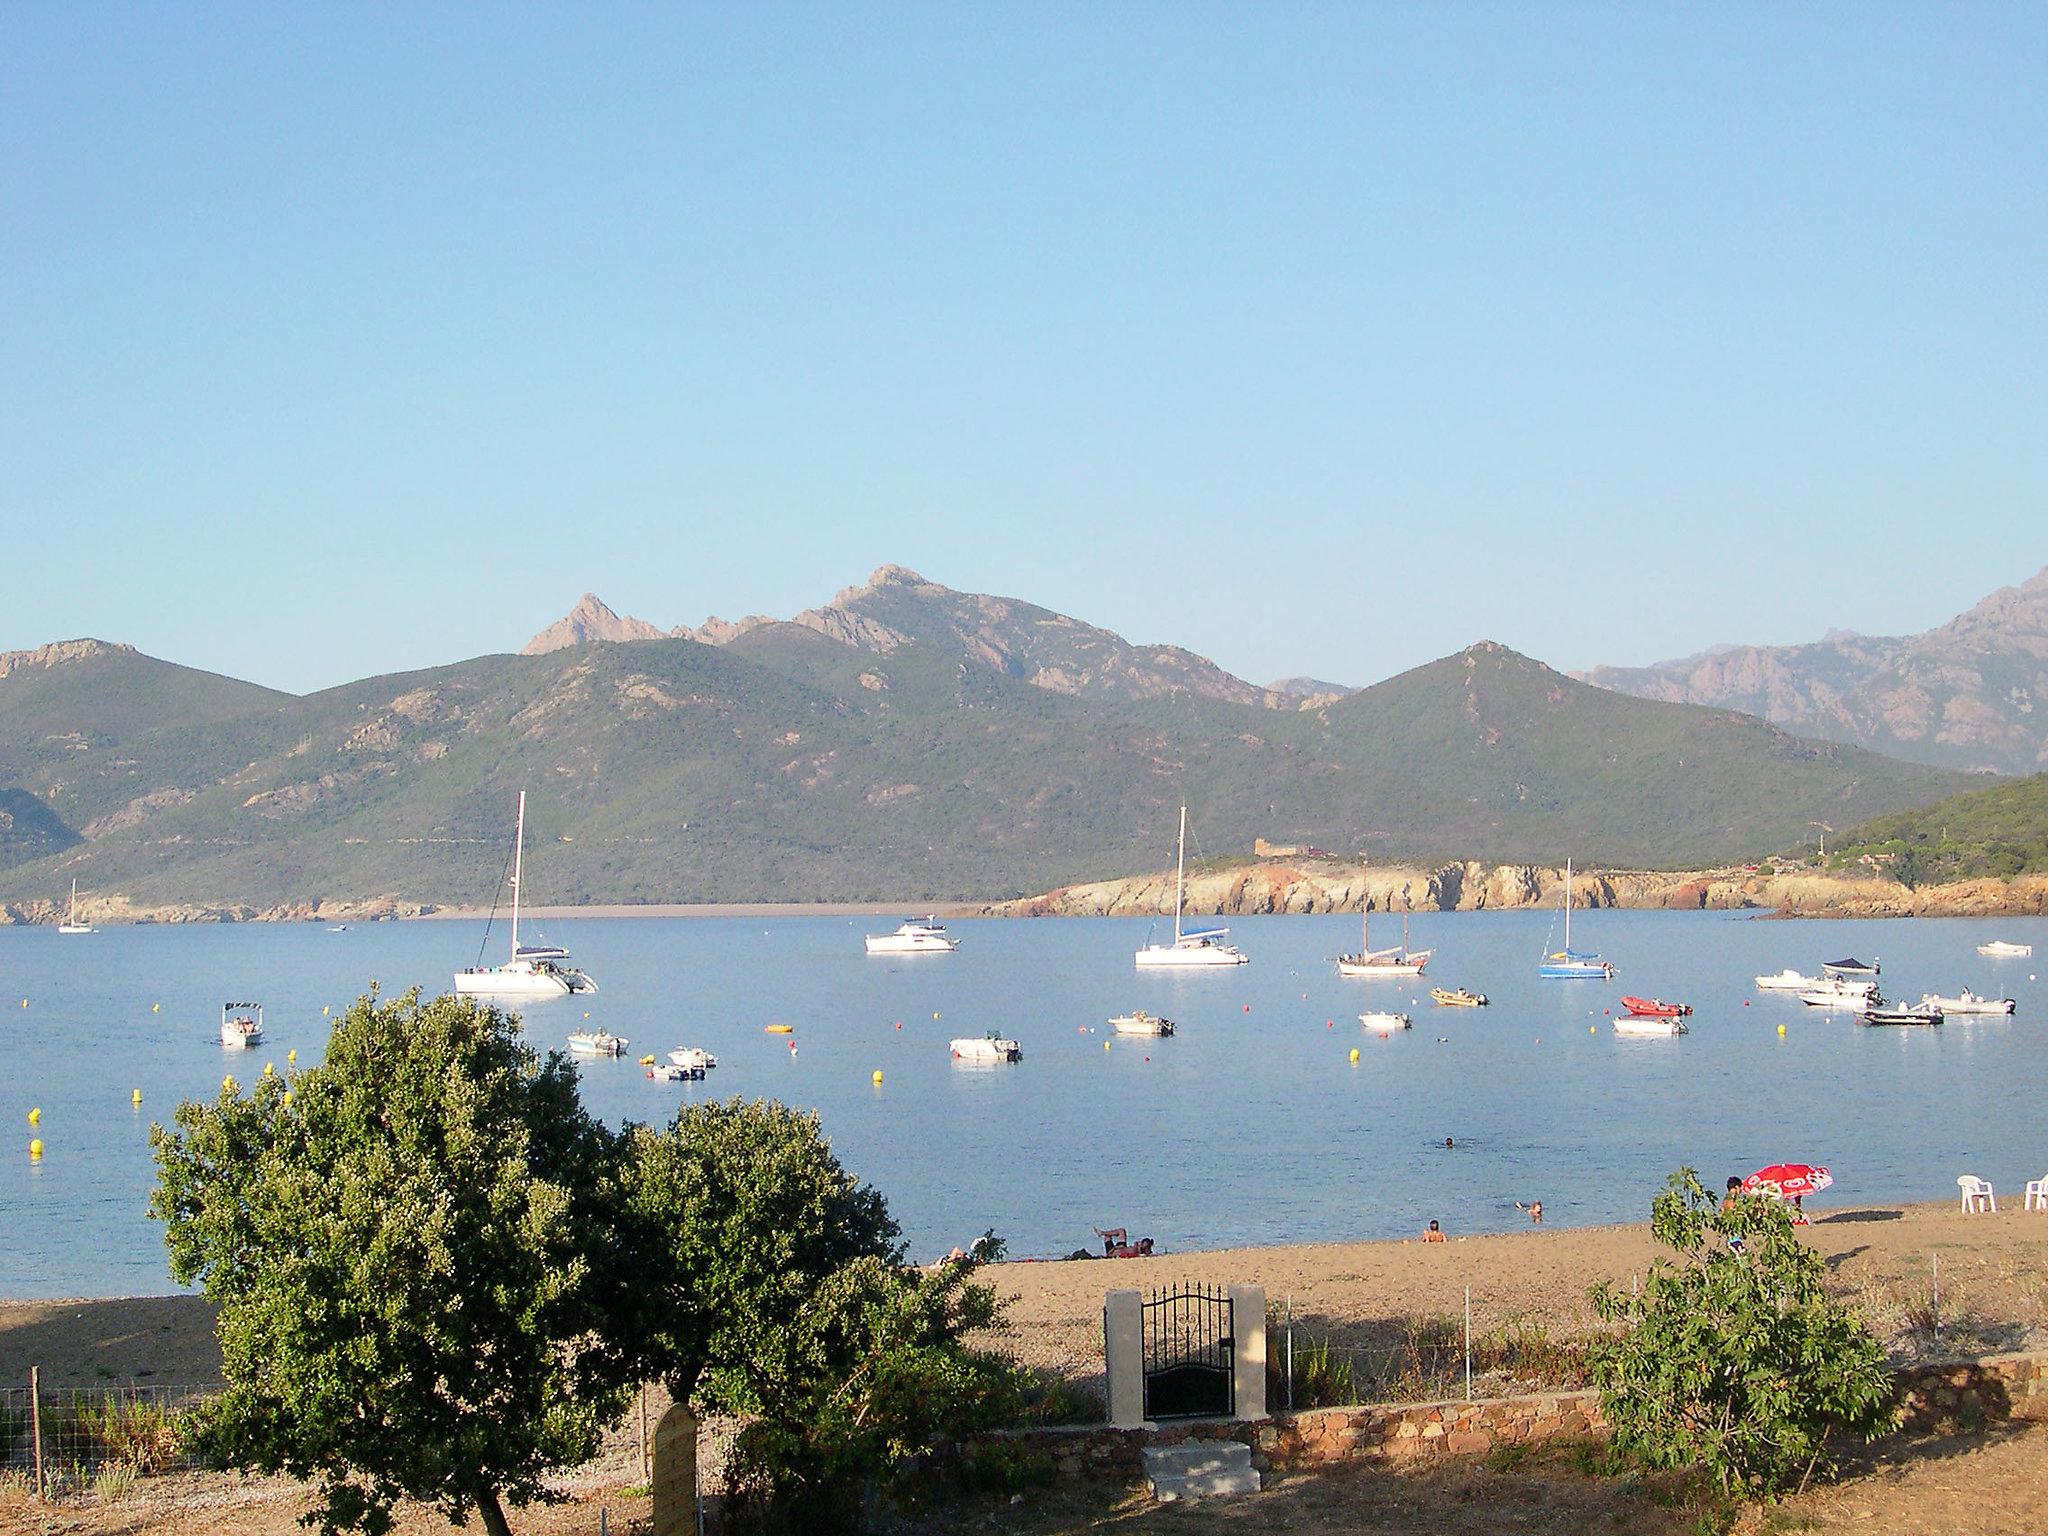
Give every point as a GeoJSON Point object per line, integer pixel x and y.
{"type": "Point", "coordinates": [71, 924]}
{"type": "Point", "coordinates": [1203, 948]}
{"type": "Point", "coordinates": [534, 970]}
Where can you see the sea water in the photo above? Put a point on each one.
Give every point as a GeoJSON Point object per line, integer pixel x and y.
{"type": "Point", "coordinates": [1250, 1125]}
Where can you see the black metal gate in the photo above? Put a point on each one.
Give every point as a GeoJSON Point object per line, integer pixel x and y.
{"type": "Point", "coordinates": [1190, 1354]}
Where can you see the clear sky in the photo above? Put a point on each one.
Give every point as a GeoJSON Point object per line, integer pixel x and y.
{"type": "Point", "coordinates": [339, 339]}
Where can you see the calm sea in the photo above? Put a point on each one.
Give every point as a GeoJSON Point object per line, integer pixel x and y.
{"type": "Point", "coordinates": [1252, 1125]}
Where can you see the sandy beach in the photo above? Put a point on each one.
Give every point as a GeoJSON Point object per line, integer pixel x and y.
{"type": "Point", "coordinates": [1993, 1270]}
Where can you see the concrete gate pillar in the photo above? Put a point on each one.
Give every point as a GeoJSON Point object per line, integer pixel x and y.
{"type": "Point", "coordinates": [1248, 1328]}
{"type": "Point", "coordinates": [1123, 1357]}
{"type": "Point", "coordinates": [675, 1473]}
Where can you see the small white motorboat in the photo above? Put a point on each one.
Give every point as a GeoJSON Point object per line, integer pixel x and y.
{"type": "Point", "coordinates": [1385, 1021]}
{"type": "Point", "coordinates": [692, 1056]}
{"type": "Point", "coordinates": [1841, 994]}
{"type": "Point", "coordinates": [1139, 1022]}
{"type": "Point", "coordinates": [671, 1072]}
{"type": "Point", "coordinates": [914, 936]}
{"type": "Point", "coordinates": [597, 1042]}
{"type": "Point", "coordinates": [1787, 980]}
{"type": "Point", "coordinates": [1968, 1002]}
{"type": "Point", "coordinates": [988, 1047]}
{"type": "Point", "coordinates": [241, 1025]}
{"type": "Point", "coordinates": [1850, 967]}
{"type": "Point", "coordinates": [1921, 1015]}
{"type": "Point", "coordinates": [1999, 949]}
{"type": "Point", "coordinates": [1647, 1026]}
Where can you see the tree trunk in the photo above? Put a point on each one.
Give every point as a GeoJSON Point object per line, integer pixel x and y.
{"type": "Point", "coordinates": [493, 1513]}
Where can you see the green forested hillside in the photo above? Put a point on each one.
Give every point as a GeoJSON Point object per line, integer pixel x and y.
{"type": "Point", "coordinates": [2000, 832]}
{"type": "Point", "coordinates": [788, 766]}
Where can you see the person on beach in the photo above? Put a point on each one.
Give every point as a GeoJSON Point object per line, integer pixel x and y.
{"type": "Point", "coordinates": [1728, 1203]}
{"type": "Point", "coordinates": [1435, 1234]}
{"type": "Point", "coordinates": [1535, 1210]}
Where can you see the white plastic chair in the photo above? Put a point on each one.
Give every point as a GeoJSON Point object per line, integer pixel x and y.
{"type": "Point", "coordinates": [2037, 1194]}
{"type": "Point", "coordinates": [1977, 1195]}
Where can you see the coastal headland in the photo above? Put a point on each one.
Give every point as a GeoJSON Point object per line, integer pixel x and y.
{"type": "Point", "coordinates": [1238, 888]}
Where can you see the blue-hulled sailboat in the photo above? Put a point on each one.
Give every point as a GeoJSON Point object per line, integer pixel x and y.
{"type": "Point", "coordinates": [1569, 964]}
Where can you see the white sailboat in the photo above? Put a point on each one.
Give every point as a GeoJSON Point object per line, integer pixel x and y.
{"type": "Point", "coordinates": [1368, 961]}
{"type": "Point", "coordinates": [1569, 964]}
{"type": "Point", "coordinates": [71, 924]}
{"type": "Point", "coordinates": [1189, 950]}
{"type": "Point", "coordinates": [534, 970]}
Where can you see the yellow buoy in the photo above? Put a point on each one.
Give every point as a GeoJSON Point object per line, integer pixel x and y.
{"type": "Point", "coordinates": [291, 1057]}
{"type": "Point", "coordinates": [935, 1015]}
{"type": "Point", "coordinates": [35, 1148]}
{"type": "Point", "coordinates": [1592, 1029]}
{"type": "Point", "coordinates": [156, 1007]}
{"type": "Point", "coordinates": [24, 1003]}
{"type": "Point", "coordinates": [135, 1097]}
{"type": "Point", "coordinates": [35, 1116]}
{"type": "Point", "coordinates": [878, 1077]}
{"type": "Point", "coordinates": [1781, 1029]}
{"type": "Point", "coordinates": [1105, 1045]}
{"type": "Point", "coordinates": [325, 1014]}
{"type": "Point", "coordinates": [1354, 1053]}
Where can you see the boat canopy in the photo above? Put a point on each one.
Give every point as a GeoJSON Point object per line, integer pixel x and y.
{"type": "Point", "coordinates": [1851, 964]}
{"type": "Point", "coordinates": [241, 1005]}
{"type": "Point", "coordinates": [1203, 933]}
{"type": "Point", "coordinates": [1575, 954]}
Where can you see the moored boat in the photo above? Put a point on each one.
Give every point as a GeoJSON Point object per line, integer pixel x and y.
{"type": "Point", "coordinates": [988, 1047]}
{"type": "Point", "coordinates": [693, 1056]}
{"type": "Point", "coordinates": [533, 970]}
{"type": "Point", "coordinates": [1569, 964]}
{"type": "Point", "coordinates": [1920, 1015]}
{"type": "Point", "coordinates": [1139, 1022]}
{"type": "Point", "coordinates": [915, 936]}
{"type": "Point", "coordinates": [1384, 1022]}
{"type": "Point", "coordinates": [1787, 980]}
{"type": "Point", "coordinates": [2000, 949]}
{"type": "Point", "coordinates": [675, 1072]}
{"type": "Point", "coordinates": [1654, 1008]}
{"type": "Point", "coordinates": [597, 1042]}
{"type": "Point", "coordinates": [241, 1025]}
{"type": "Point", "coordinates": [71, 924]}
{"type": "Point", "coordinates": [1850, 967]}
{"type": "Point", "coordinates": [1189, 950]}
{"type": "Point", "coordinates": [1649, 1025]}
{"type": "Point", "coordinates": [1457, 997]}
{"type": "Point", "coordinates": [1369, 963]}
{"type": "Point", "coordinates": [1969, 1003]}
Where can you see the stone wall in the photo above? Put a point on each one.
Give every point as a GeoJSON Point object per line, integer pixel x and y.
{"type": "Point", "coordinates": [1962, 1394]}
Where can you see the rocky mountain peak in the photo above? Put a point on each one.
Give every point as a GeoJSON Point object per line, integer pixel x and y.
{"type": "Point", "coordinates": [58, 653]}
{"type": "Point", "coordinates": [590, 621]}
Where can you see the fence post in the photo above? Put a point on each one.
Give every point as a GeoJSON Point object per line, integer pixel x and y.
{"type": "Point", "coordinates": [35, 1414]}
{"type": "Point", "coordinates": [1934, 1312]}
{"type": "Point", "coordinates": [1290, 1352]}
{"type": "Point", "coordinates": [1468, 1343]}
{"type": "Point", "coordinates": [646, 1467]}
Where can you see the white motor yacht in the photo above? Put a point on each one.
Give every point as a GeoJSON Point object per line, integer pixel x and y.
{"type": "Point", "coordinates": [1189, 950]}
{"type": "Point", "coordinates": [241, 1025]}
{"type": "Point", "coordinates": [2000, 949]}
{"type": "Point", "coordinates": [915, 936]}
{"type": "Point", "coordinates": [533, 970]}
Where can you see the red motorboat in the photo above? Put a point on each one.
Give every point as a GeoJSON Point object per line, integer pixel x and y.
{"type": "Point", "coordinates": [1650, 1008]}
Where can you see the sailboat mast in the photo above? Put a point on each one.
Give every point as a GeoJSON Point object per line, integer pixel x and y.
{"type": "Point", "coordinates": [1567, 908]}
{"type": "Point", "coordinates": [518, 858]}
{"type": "Point", "coordinates": [1180, 865]}
{"type": "Point", "coordinates": [1364, 909]}
{"type": "Point", "coordinates": [73, 918]}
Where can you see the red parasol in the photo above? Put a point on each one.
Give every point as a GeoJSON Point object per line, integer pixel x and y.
{"type": "Point", "coordinates": [1788, 1181]}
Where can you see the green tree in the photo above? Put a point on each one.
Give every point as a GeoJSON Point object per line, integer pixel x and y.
{"type": "Point", "coordinates": [408, 1244]}
{"type": "Point", "coordinates": [782, 1296]}
{"type": "Point", "coordinates": [1735, 1359]}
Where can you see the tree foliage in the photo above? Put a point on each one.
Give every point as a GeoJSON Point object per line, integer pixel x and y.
{"type": "Point", "coordinates": [1734, 1358]}
{"type": "Point", "coordinates": [406, 1246]}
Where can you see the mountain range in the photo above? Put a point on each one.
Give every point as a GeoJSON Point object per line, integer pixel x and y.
{"type": "Point", "coordinates": [904, 742]}
{"type": "Point", "coordinates": [1972, 693]}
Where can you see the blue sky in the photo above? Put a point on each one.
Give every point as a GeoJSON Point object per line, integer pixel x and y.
{"type": "Point", "coordinates": [1319, 339]}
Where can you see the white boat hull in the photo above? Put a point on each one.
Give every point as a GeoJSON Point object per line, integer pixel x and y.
{"type": "Point", "coordinates": [1970, 1003]}
{"type": "Point", "coordinates": [501, 981]}
{"type": "Point", "coordinates": [984, 1049]}
{"type": "Point", "coordinates": [892, 944]}
{"type": "Point", "coordinates": [1386, 1021]}
{"type": "Point", "coordinates": [1189, 957]}
{"type": "Point", "coordinates": [693, 1056]}
{"type": "Point", "coordinates": [1400, 969]}
{"type": "Point", "coordinates": [598, 1043]}
{"type": "Point", "coordinates": [1649, 1028]}
{"type": "Point", "coordinates": [1999, 949]}
{"type": "Point", "coordinates": [1787, 981]}
{"type": "Point", "coordinates": [1141, 1024]}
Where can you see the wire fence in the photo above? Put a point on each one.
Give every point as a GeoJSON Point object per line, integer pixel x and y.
{"type": "Point", "coordinates": [58, 1440]}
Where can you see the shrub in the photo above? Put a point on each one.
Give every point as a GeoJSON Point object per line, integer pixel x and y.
{"type": "Point", "coordinates": [1736, 1362]}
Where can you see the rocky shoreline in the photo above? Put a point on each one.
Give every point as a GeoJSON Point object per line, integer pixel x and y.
{"type": "Point", "coordinates": [1252, 888]}
{"type": "Point", "coordinates": [1304, 886]}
